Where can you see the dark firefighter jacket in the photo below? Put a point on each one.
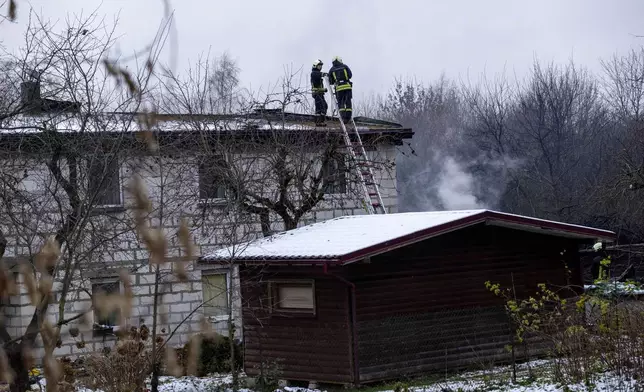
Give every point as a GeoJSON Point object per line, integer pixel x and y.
{"type": "Point", "coordinates": [340, 75]}
{"type": "Point", "coordinates": [317, 84]}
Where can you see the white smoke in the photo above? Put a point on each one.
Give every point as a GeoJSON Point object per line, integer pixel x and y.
{"type": "Point", "coordinates": [455, 187]}
{"type": "Point", "coordinates": [444, 182]}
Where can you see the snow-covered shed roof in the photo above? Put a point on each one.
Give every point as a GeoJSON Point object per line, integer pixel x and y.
{"type": "Point", "coordinates": [350, 238]}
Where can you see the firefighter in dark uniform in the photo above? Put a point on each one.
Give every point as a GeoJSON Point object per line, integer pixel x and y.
{"type": "Point", "coordinates": [318, 90]}
{"type": "Point", "coordinates": [340, 76]}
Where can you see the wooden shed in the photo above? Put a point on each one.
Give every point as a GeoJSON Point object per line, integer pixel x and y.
{"type": "Point", "coordinates": [366, 298]}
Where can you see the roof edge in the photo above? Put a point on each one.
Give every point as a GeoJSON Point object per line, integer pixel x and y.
{"type": "Point", "coordinates": [414, 237]}
{"type": "Point", "coordinates": [267, 260]}
{"type": "Point", "coordinates": [552, 225]}
{"type": "Point", "coordinates": [481, 217]}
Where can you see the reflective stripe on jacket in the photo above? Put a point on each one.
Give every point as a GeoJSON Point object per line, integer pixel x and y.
{"type": "Point", "coordinates": [340, 76]}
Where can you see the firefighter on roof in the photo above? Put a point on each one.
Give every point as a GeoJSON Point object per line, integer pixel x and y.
{"type": "Point", "coordinates": [340, 76]}
{"type": "Point", "coordinates": [318, 90]}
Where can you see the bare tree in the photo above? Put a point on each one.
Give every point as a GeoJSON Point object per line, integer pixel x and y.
{"type": "Point", "coordinates": [562, 123]}
{"type": "Point", "coordinates": [623, 88]}
{"type": "Point", "coordinates": [434, 111]}
{"type": "Point", "coordinates": [59, 151]}
{"type": "Point", "coordinates": [550, 132]}
{"type": "Point", "coordinates": [624, 85]}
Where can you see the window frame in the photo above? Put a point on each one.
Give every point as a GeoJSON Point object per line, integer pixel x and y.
{"type": "Point", "coordinates": [91, 166]}
{"type": "Point", "coordinates": [273, 297]}
{"type": "Point", "coordinates": [204, 275]}
{"type": "Point", "coordinates": [96, 329]}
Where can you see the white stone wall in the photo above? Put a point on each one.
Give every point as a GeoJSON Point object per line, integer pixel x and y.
{"type": "Point", "coordinates": [108, 243]}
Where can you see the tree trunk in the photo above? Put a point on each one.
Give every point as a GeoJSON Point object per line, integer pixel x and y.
{"type": "Point", "coordinates": [264, 218]}
{"type": "Point", "coordinates": [156, 370]}
{"type": "Point", "coordinates": [3, 244]}
{"type": "Point", "coordinates": [289, 223]}
{"type": "Point", "coordinates": [17, 363]}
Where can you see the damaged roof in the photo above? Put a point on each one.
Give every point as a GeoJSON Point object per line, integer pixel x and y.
{"type": "Point", "coordinates": [257, 120]}
{"type": "Point", "coordinates": [350, 238]}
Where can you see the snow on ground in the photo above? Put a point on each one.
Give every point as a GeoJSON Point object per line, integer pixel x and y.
{"type": "Point", "coordinates": [496, 380]}
{"type": "Point", "coordinates": [603, 384]}
{"type": "Point", "coordinates": [216, 382]}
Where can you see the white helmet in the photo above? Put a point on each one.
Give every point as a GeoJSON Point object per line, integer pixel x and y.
{"type": "Point", "coordinates": [317, 63]}
{"type": "Point", "coordinates": [338, 59]}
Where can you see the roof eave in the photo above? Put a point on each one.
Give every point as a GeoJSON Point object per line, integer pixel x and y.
{"type": "Point", "coordinates": [413, 238]}
{"type": "Point", "coordinates": [294, 261]}
{"type": "Point", "coordinates": [489, 218]}
{"type": "Point", "coordinates": [550, 227]}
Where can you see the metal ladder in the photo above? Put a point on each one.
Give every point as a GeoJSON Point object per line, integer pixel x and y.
{"type": "Point", "coordinates": [372, 201]}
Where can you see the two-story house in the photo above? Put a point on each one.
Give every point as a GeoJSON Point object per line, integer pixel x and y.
{"type": "Point", "coordinates": [66, 172]}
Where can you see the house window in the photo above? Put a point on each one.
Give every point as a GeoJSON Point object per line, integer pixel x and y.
{"type": "Point", "coordinates": [215, 296]}
{"type": "Point", "coordinates": [104, 323]}
{"type": "Point", "coordinates": [212, 178]}
{"type": "Point", "coordinates": [104, 182]}
{"type": "Point", "coordinates": [335, 176]}
{"type": "Point", "coordinates": [293, 296]}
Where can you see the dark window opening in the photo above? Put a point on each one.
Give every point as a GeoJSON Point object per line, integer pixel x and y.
{"type": "Point", "coordinates": [212, 178]}
{"type": "Point", "coordinates": [104, 323]}
{"type": "Point", "coordinates": [335, 176]}
{"type": "Point", "coordinates": [104, 181]}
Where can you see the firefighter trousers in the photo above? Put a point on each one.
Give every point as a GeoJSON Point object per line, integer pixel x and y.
{"type": "Point", "coordinates": [321, 107]}
{"type": "Point", "coordinates": [344, 104]}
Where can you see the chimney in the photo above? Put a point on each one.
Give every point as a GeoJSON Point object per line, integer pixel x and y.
{"type": "Point", "coordinates": [30, 92]}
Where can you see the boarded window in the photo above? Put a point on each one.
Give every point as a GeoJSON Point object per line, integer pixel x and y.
{"type": "Point", "coordinates": [212, 178]}
{"type": "Point", "coordinates": [294, 296]}
{"type": "Point", "coordinates": [215, 295]}
{"type": "Point", "coordinates": [105, 322]}
{"type": "Point", "coordinates": [335, 176]}
{"type": "Point", "coordinates": [104, 181]}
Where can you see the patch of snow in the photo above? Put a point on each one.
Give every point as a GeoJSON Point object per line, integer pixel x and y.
{"type": "Point", "coordinates": [113, 122]}
{"type": "Point", "coordinates": [619, 288]}
{"type": "Point", "coordinates": [494, 380]}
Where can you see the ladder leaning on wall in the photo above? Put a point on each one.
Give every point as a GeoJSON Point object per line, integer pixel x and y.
{"type": "Point", "coordinates": [372, 200]}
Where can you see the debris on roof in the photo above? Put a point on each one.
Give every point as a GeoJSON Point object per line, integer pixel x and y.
{"type": "Point", "coordinates": [126, 122]}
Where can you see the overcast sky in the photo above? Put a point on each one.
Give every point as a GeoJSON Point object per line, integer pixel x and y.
{"type": "Point", "coordinates": [378, 39]}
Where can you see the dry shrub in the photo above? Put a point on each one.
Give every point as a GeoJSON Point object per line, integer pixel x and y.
{"type": "Point", "coordinates": [213, 355]}
{"type": "Point", "coordinates": [68, 380]}
{"type": "Point", "coordinates": [122, 369]}
{"type": "Point", "coordinates": [598, 331]}
{"type": "Point", "coordinates": [609, 337]}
